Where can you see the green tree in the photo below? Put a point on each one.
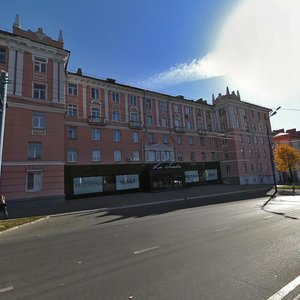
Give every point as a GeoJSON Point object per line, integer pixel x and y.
{"type": "Point", "coordinates": [287, 158]}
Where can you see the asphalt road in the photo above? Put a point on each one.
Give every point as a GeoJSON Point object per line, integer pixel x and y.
{"type": "Point", "coordinates": [233, 250]}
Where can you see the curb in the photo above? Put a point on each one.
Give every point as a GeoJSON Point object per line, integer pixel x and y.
{"type": "Point", "coordinates": [25, 224]}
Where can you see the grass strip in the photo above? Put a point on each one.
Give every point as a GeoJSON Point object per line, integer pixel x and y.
{"type": "Point", "coordinates": [7, 224]}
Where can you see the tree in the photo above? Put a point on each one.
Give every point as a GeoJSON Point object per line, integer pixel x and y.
{"type": "Point", "coordinates": [287, 158]}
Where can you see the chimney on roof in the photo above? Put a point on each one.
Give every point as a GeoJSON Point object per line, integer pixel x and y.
{"type": "Point", "coordinates": [238, 94]}
{"type": "Point", "coordinates": [79, 72]}
{"type": "Point", "coordinates": [227, 91]}
{"type": "Point", "coordinates": [111, 80]}
{"type": "Point", "coordinates": [213, 97]}
{"type": "Point", "coordinates": [17, 22]}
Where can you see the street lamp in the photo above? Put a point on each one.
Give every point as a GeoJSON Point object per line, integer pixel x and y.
{"type": "Point", "coordinates": [271, 151]}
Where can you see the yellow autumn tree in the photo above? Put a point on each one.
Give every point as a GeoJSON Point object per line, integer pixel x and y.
{"type": "Point", "coordinates": [287, 158]}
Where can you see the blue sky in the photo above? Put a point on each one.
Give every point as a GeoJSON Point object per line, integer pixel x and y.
{"type": "Point", "coordinates": [136, 41]}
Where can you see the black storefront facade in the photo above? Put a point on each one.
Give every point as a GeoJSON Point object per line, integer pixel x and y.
{"type": "Point", "coordinates": [96, 180]}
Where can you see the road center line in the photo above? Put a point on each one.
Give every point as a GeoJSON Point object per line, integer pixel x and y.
{"type": "Point", "coordinates": [222, 229]}
{"type": "Point", "coordinates": [6, 289]}
{"type": "Point", "coordinates": [286, 289]}
{"type": "Point", "coordinates": [145, 250]}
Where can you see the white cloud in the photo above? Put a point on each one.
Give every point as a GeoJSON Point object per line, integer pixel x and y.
{"type": "Point", "coordinates": [258, 51]}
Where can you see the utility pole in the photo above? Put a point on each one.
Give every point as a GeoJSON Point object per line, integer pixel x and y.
{"type": "Point", "coordinates": [3, 107]}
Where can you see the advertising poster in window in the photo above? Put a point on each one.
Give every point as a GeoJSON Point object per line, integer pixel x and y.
{"type": "Point", "coordinates": [126, 182]}
{"type": "Point", "coordinates": [87, 185]}
{"type": "Point", "coordinates": [211, 174]}
{"type": "Point", "coordinates": [191, 176]}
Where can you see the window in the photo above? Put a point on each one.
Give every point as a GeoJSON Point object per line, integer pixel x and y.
{"type": "Point", "coordinates": [259, 166]}
{"type": "Point", "coordinates": [96, 155]}
{"type": "Point", "coordinates": [187, 111]}
{"type": "Point", "coordinates": [117, 136]}
{"type": "Point", "coordinates": [180, 156]}
{"type": "Point", "coordinates": [242, 139]}
{"type": "Point", "coordinates": [176, 108]}
{"type": "Point", "coordinates": [72, 89]}
{"type": "Point", "coordinates": [212, 141]}
{"type": "Point", "coordinates": [134, 116]}
{"type": "Point", "coordinates": [177, 122]}
{"type": "Point", "coordinates": [39, 91]}
{"type": "Point", "coordinates": [2, 55]}
{"type": "Point", "coordinates": [202, 141]}
{"type": "Point", "coordinates": [95, 112]}
{"type": "Point", "coordinates": [213, 156]}
{"type": "Point", "coordinates": [72, 110]}
{"type": "Point", "coordinates": [116, 115]}
{"type": "Point", "coordinates": [149, 120]}
{"type": "Point", "coordinates": [136, 155]}
{"type": "Point", "coordinates": [179, 139]}
{"type": "Point", "coordinates": [115, 96]}
{"type": "Point", "coordinates": [150, 137]}
{"type": "Point", "coordinates": [192, 156]}
{"type": "Point", "coordinates": [188, 125]}
{"type": "Point", "coordinates": [162, 106]}
{"type": "Point", "coordinates": [203, 157]}
{"type": "Point", "coordinates": [242, 153]}
{"type": "Point", "coordinates": [34, 150]}
{"type": "Point", "coordinates": [227, 169]}
{"type": "Point", "coordinates": [251, 153]}
{"type": "Point", "coordinates": [245, 168]}
{"type": "Point", "coordinates": [191, 140]}
{"type": "Point", "coordinates": [135, 137]}
{"type": "Point", "coordinates": [265, 153]}
{"type": "Point", "coordinates": [117, 155]}
{"type": "Point", "coordinates": [252, 167]}
{"type": "Point", "coordinates": [39, 120]}
{"type": "Point", "coordinates": [72, 155]}
{"type": "Point", "coordinates": [255, 140]}
{"type": "Point", "coordinates": [226, 154]}
{"type": "Point", "coordinates": [34, 181]}
{"type": "Point", "coordinates": [166, 139]}
{"type": "Point", "coordinates": [132, 100]}
{"type": "Point", "coordinates": [150, 155]}
{"type": "Point", "coordinates": [40, 65]}
{"type": "Point", "coordinates": [164, 122]}
{"type": "Point", "coordinates": [148, 103]}
{"type": "Point", "coordinates": [96, 135]}
{"type": "Point", "coordinates": [95, 93]}
{"type": "Point", "coordinates": [72, 132]}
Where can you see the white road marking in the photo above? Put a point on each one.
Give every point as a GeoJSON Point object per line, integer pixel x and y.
{"type": "Point", "coordinates": [6, 289]}
{"type": "Point", "coordinates": [297, 297]}
{"type": "Point", "coordinates": [286, 289]}
{"type": "Point", "coordinates": [222, 229]}
{"type": "Point", "coordinates": [145, 250]}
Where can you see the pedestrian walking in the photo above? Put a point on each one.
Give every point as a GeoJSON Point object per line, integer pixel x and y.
{"type": "Point", "coordinates": [3, 207]}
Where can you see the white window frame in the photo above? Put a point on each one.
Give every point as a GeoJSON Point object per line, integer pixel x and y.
{"type": "Point", "coordinates": [72, 155]}
{"type": "Point", "coordinates": [149, 120]}
{"type": "Point", "coordinates": [38, 120]}
{"type": "Point", "coordinates": [133, 100]}
{"type": "Point", "coordinates": [39, 91]}
{"type": "Point", "coordinates": [135, 136]}
{"type": "Point", "coordinates": [72, 132]}
{"type": "Point", "coordinates": [117, 136]}
{"type": "Point", "coordinates": [96, 134]}
{"type": "Point", "coordinates": [135, 155]}
{"type": "Point", "coordinates": [72, 89]}
{"type": "Point", "coordinates": [2, 55]}
{"type": "Point", "coordinates": [34, 150]}
{"type": "Point", "coordinates": [37, 178]}
{"type": "Point", "coordinates": [116, 116]}
{"type": "Point", "coordinates": [40, 65]}
{"type": "Point", "coordinates": [117, 155]}
{"type": "Point", "coordinates": [95, 112]}
{"type": "Point", "coordinates": [115, 96]}
{"type": "Point", "coordinates": [95, 93]}
{"type": "Point", "coordinates": [96, 155]}
{"type": "Point", "coordinates": [72, 110]}
{"type": "Point", "coordinates": [134, 117]}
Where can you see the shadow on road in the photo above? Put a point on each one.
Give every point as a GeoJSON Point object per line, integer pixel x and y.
{"type": "Point", "coordinates": [274, 212]}
{"type": "Point", "coordinates": [163, 207]}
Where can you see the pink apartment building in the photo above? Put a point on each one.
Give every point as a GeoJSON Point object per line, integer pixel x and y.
{"type": "Point", "coordinates": [68, 134]}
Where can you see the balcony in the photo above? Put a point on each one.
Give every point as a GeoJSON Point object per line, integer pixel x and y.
{"type": "Point", "coordinates": [179, 129]}
{"type": "Point", "coordinates": [97, 121]}
{"type": "Point", "coordinates": [135, 125]}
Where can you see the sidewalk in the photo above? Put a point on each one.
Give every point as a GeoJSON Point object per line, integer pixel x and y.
{"type": "Point", "coordinates": [37, 207]}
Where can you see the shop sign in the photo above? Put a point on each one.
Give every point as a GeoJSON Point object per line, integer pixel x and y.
{"type": "Point", "coordinates": [191, 176]}
{"type": "Point", "coordinates": [211, 174]}
{"type": "Point", "coordinates": [126, 182]}
{"type": "Point", "coordinates": [164, 166]}
{"type": "Point", "coordinates": [87, 185]}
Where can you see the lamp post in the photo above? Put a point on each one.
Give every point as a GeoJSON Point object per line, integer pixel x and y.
{"type": "Point", "coordinates": [271, 151]}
